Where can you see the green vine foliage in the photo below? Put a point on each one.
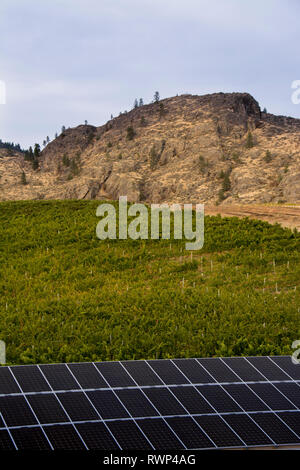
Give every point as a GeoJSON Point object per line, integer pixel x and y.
{"type": "Point", "coordinates": [67, 296]}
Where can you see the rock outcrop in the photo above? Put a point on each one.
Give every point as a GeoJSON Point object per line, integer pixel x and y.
{"type": "Point", "coordinates": [213, 148]}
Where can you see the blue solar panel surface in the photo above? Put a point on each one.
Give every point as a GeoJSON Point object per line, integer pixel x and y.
{"type": "Point", "coordinates": [151, 405]}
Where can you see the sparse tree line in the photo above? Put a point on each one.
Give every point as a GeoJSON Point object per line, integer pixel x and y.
{"type": "Point", "coordinates": [33, 156]}
{"type": "Point", "coordinates": [73, 164]}
{"type": "Point", "coordinates": [138, 103]}
{"type": "Point", "coordinates": [10, 146]}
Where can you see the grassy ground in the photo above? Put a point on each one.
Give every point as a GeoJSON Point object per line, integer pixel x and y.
{"type": "Point", "coordinates": [67, 296]}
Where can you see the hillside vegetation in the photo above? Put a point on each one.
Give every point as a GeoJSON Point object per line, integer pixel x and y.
{"type": "Point", "coordinates": [217, 149]}
{"type": "Point", "coordinates": [67, 296]}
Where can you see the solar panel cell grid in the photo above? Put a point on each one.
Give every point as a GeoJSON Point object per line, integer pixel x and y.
{"type": "Point", "coordinates": [157, 404]}
{"type": "Point", "coordinates": [96, 436]}
{"type": "Point", "coordinates": [115, 374]}
{"type": "Point", "coordinates": [160, 434]}
{"type": "Point", "coordinates": [291, 391]}
{"type": "Point", "coordinates": [87, 375]}
{"type": "Point", "coordinates": [245, 397]}
{"type": "Point", "coordinates": [30, 379]}
{"type": "Point", "coordinates": [219, 371]}
{"type": "Point", "coordinates": [190, 433]}
{"type": "Point", "coordinates": [59, 377]}
{"type": "Point", "coordinates": [129, 436]}
{"type": "Point", "coordinates": [107, 404]}
{"type": "Point", "coordinates": [47, 408]}
{"type": "Point", "coordinates": [7, 382]}
{"type": "Point", "coordinates": [272, 397]}
{"type": "Point", "coordinates": [168, 372]}
{"type": "Point", "coordinates": [164, 401]}
{"type": "Point", "coordinates": [291, 419]}
{"type": "Point", "coordinates": [136, 403]}
{"type": "Point", "coordinates": [285, 363]}
{"type": "Point", "coordinates": [30, 439]}
{"type": "Point", "coordinates": [5, 441]}
{"type": "Point", "coordinates": [64, 437]}
{"type": "Point", "coordinates": [192, 400]}
{"type": "Point", "coordinates": [248, 431]}
{"type": "Point", "coordinates": [242, 368]}
{"type": "Point", "coordinates": [15, 411]}
{"type": "Point", "coordinates": [141, 373]}
{"type": "Point", "coordinates": [219, 431]}
{"type": "Point", "coordinates": [267, 368]}
{"type": "Point", "coordinates": [193, 371]}
{"type": "Point", "coordinates": [275, 428]}
{"type": "Point", "coordinates": [219, 399]}
{"type": "Point", "coordinates": [77, 406]}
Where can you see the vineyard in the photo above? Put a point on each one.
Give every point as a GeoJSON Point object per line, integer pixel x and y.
{"type": "Point", "coordinates": [67, 296]}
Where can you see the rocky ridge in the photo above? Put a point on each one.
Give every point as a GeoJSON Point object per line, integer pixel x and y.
{"type": "Point", "coordinates": [218, 148]}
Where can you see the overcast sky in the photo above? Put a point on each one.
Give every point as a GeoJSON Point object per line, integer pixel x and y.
{"type": "Point", "coordinates": [64, 61]}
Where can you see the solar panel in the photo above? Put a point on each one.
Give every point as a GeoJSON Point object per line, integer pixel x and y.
{"type": "Point", "coordinates": [6, 442]}
{"type": "Point", "coordinates": [218, 370]}
{"type": "Point", "coordinates": [59, 377]}
{"type": "Point", "coordinates": [161, 434]}
{"type": "Point", "coordinates": [165, 401]}
{"type": "Point", "coordinates": [168, 372]}
{"type": "Point", "coordinates": [219, 431]}
{"type": "Point", "coordinates": [141, 373]}
{"type": "Point", "coordinates": [30, 439]}
{"type": "Point", "coordinates": [267, 368]}
{"type": "Point", "coordinates": [193, 371]}
{"type": "Point", "coordinates": [287, 366]}
{"type": "Point", "coordinates": [107, 404]}
{"type": "Point", "coordinates": [250, 433]}
{"type": "Point", "coordinates": [151, 405]}
{"type": "Point", "coordinates": [31, 379]}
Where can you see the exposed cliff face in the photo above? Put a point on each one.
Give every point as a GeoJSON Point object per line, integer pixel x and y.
{"type": "Point", "coordinates": [182, 149]}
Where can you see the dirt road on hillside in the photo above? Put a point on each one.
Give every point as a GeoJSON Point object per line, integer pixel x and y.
{"type": "Point", "coordinates": [287, 216]}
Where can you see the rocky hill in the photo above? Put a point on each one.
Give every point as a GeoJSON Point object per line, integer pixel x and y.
{"type": "Point", "coordinates": [218, 148]}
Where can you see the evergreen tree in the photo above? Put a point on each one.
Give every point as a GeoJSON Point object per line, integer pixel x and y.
{"type": "Point", "coordinates": [130, 133]}
{"type": "Point", "coordinates": [85, 123]}
{"type": "Point", "coordinates": [226, 186]}
{"type": "Point", "coordinates": [63, 129]}
{"type": "Point", "coordinates": [56, 135]}
{"type": "Point", "coordinates": [135, 104]}
{"type": "Point", "coordinates": [10, 146]}
{"type": "Point", "coordinates": [35, 164]}
{"type": "Point", "coordinates": [221, 195]}
{"type": "Point", "coordinates": [47, 139]}
{"type": "Point", "coordinates": [44, 143]}
{"type": "Point", "coordinates": [250, 141]}
{"type": "Point", "coordinates": [268, 156]}
{"type": "Point", "coordinates": [156, 97]}
{"type": "Point", "coordinates": [30, 154]}
{"type": "Point", "coordinates": [153, 157]}
{"type": "Point", "coordinates": [66, 160]}
{"type": "Point", "coordinates": [23, 178]}
{"type": "Point", "coordinates": [141, 102]}
{"type": "Point", "coordinates": [37, 151]}
{"type": "Point", "coordinates": [27, 156]}
{"type": "Point", "coordinates": [161, 110]}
